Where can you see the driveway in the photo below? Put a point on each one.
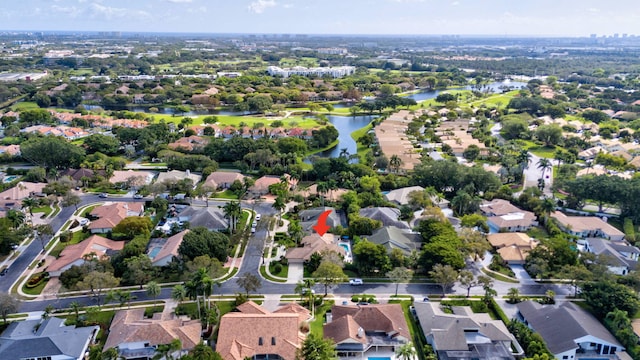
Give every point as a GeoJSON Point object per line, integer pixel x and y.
{"type": "Point", "coordinates": [532, 173]}
{"type": "Point", "coordinates": [521, 274]}
{"type": "Point", "coordinates": [296, 273]}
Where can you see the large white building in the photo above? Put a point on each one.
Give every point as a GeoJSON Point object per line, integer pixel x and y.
{"type": "Point", "coordinates": [335, 72]}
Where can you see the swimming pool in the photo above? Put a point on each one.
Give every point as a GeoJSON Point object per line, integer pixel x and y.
{"type": "Point", "coordinates": [345, 247]}
{"type": "Point", "coordinates": [10, 178]}
{"type": "Point", "coordinates": [154, 252]}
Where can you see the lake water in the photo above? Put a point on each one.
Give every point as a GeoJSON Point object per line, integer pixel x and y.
{"type": "Point", "coordinates": [345, 126]}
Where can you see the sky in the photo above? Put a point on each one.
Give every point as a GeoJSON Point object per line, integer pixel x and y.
{"type": "Point", "coordinates": [408, 17]}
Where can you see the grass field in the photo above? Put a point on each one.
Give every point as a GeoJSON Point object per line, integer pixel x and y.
{"type": "Point", "coordinates": [248, 120]}
{"type": "Point", "coordinates": [25, 105]}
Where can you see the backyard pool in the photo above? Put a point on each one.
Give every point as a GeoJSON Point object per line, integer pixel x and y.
{"type": "Point", "coordinates": [8, 179]}
{"type": "Point", "coordinates": [347, 251]}
{"type": "Point", "coordinates": [154, 252]}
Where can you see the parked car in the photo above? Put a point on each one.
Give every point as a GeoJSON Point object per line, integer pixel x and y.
{"type": "Point", "coordinates": [4, 271]}
{"type": "Point", "coordinates": [258, 217]}
{"type": "Point", "coordinates": [138, 196]}
{"type": "Point", "coordinates": [104, 195]}
{"type": "Point", "coordinates": [253, 230]}
{"type": "Point", "coordinates": [356, 282]}
{"type": "Point", "coordinates": [254, 224]}
{"type": "Point", "coordinates": [83, 221]}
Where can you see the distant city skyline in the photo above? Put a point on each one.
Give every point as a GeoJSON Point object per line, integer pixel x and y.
{"type": "Point", "coordinates": [390, 17]}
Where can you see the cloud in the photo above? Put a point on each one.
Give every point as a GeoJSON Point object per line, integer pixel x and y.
{"type": "Point", "coordinates": [179, 1]}
{"type": "Point", "coordinates": [455, 3]}
{"type": "Point", "coordinates": [108, 12]}
{"type": "Point", "coordinates": [72, 11]}
{"type": "Point", "coordinates": [260, 6]}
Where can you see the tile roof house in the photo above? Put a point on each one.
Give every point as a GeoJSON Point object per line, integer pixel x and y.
{"type": "Point", "coordinates": [190, 143]}
{"type": "Point", "coordinates": [75, 254]}
{"type": "Point", "coordinates": [131, 178]}
{"type": "Point", "coordinates": [569, 331]}
{"type": "Point", "coordinates": [309, 218]}
{"type": "Point", "coordinates": [210, 217]}
{"type": "Point", "coordinates": [261, 185]}
{"type": "Point", "coordinates": [392, 237]}
{"type": "Point", "coordinates": [12, 198]}
{"type": "Point", "coordinates": [79, 174]}
{"type": "Point", "coordinates": [254, 332]}
{"type": "Point", "coordinates": [135, 336]}
{"type": "Point", "coordinates": [621, 257]}
{"type": "Point", "coordinates": [465, 334]}
{"type": "Point", "coordinates": [12, 150]}
{"type": "Point", "coordinates": [163, 254]}
{"type": "Point", "coordinates": [312, 244]}
{"type": "Point", "coordinates": [173, 176]}
{"type": "Point", "coordinates": [401, 196]}
{"type": "Point", "coordinates": [222, 179]}
{"type": "Point", "coordinates": [587, 226]}
{"type": "Point", "coordinates": [108, 216]}
{"type": "Point", "coordinates": [512, 247]}
{"type": "Point", "coordinates": [48, 339]}
{"type": "Point", "coordinates": [387, 215]}
{"type": "Point", "coordinates": [332, 195]}
{"type": "Point", "coordinates": [503, 216]}
{"type": "Point", "coordinates": [358, 329]}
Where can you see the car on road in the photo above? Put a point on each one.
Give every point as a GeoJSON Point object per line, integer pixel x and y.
{"type": "Point", "coordinates": [258, 217]}
{"type": "Point", "coordinates": [254, 224]}
{"type": "Point", "coordinates": [4, 271]}
{"type": "Point", "coordinates": [356, 282]}
{"type": "Point", "coordinates": [253, 230]}
{"type": "Point", "coordinates": [138, 196]}
{"type": "Point", "coordinates": [103, 195]}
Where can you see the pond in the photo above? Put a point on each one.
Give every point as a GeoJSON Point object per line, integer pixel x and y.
{"type": "Point", "coordinates": [345, 126]}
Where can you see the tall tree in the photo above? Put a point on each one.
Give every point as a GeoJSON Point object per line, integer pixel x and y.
{"type": "Point", "coordinates": [153, 290]}
{"type": "Point", "coordinates": [315, 347]}
{"type": "Point", "coordinates": [71, 199]}
{"type": "Point", "coordinates": [329, 274]}
{"type": "Point", "coordinates": [468, 281]}
{"type": "Point", "coordinates": [398, 275]}
{"type": "Point", "coordinates": [445, 276]}
{"type": "Point", "coordinates": [232, 211]}
{"type": "Point", "coordinates": [249, 283]}
{"type": "Point", "coordinates": [44, 233]}
{"type": "Point", "coordinates": [9, 304]}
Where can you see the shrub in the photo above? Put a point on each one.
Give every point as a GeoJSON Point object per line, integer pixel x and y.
{"type": "Point", "coordinates": [355, 299]}
{"type": "Point", "coordinates": [66, 236]}
{"type": "Point", "coordinates": [277, 268]}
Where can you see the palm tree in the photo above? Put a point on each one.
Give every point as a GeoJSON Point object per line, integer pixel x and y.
{"type": "Point", "coordinates": [75, 307]}
{"type": "Point", "coordinates": [513, 295]}
{"type": "Point", "coordinates": [232, 211]}
{"type": "Point", "coordinates": [16, 217]}
{"type": "Point", "coordinates": [47, 312]}
{"type": "Point", "coordinates": [43, 231]}
{"type": "Point", "coordinates": [179, 293]}
{"type": "Point", "coordinates": [29, 203]}
{"type": "Point", "coordinates": [544, 164]}
{"type": "Point", "coordinates": [322, 187]}
{"type": "Point", "coordinates": [344, 153]}
{"type": "Point", "coordinates": [395, 163]}
{"type": "Point", "coordinates": [153, 290]}
{"type": "Point", "coordinates": [406, 351]}
{"type": "Point", "coordinates": [279, 205]}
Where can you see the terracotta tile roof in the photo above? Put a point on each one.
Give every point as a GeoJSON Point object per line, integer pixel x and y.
{"type": "Point", "coordinates": [131, 326]}
{"type": "Point", "coordinates": [509, 239]}
{"type": "Point", "coordinates": [344, 328]}
{"type": "Point", "coordinates": [245, 334]}
{"type": "Point", "coordinates": [251, 307]}
{"type": "Point", "coordinates": [93, 244]}
{"type": "Point", "coordinates": [120, 176]}
{"type": "Point", "coordinates": [22, 190]}
{"type": "Point", "coordinates": [586, 223]}
{"type": "Point", "coordinates": [373, 317]}
{"type": "Point", "coordinates": [222, 178]}
{"type": "Point", "coordinates": [312, 244]}
{"type": "Point", "coordinates": [111, 215]}
{"type": "Point", "coordinates": [292, 307]}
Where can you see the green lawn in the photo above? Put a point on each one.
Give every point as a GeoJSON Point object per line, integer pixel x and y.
{"type": "Point", "coordinates": [36, 290]}
{"type": "Point", "coordinates": [88, 211]}
{"type": "Point", "coordinates": [227, 194]}
{"type": "Point", "coordinates": [235, 120]}
{"type": "Point", "coordinates": [316, 324]}
{"type": "Point", "coordinates": [42, 209]}
{"type": "Point", "coordinates": [78, 236]}
{"type": "Point", "coordinates": [25, 105]}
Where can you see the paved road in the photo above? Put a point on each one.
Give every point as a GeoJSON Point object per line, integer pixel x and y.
{"type": "Point", "coordinates": [250, 264]}
{"type": "Point", "coordinates": [532, 173]}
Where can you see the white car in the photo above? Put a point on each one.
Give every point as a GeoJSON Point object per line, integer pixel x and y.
{"type": "Point", "coordinates": [258, 217]}
{"type": "Point", "coordinates": [83, 221]}
{"type": "Point", "coordinates": [253, 230]}
{"type": "Point", "coordinates": [356, 282]}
